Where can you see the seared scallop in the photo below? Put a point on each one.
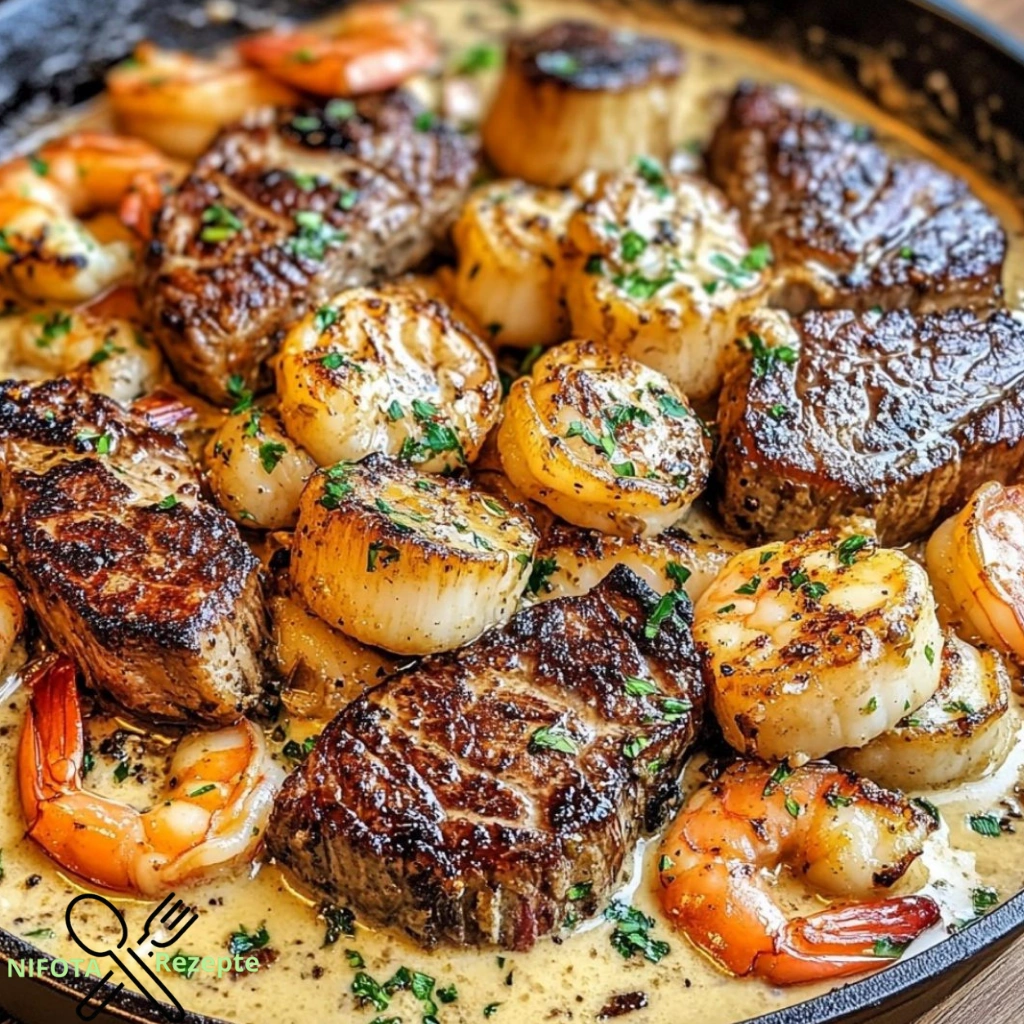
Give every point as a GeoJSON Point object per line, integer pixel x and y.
{"type": "Point", "coordinates": [576, 96]}
{"type": "Point", "coordinates": [387, 370]}
{"type": "Point", "coordinates": [657, 266]}
{"type": "Point", "coordinates": [256, 472]}
{"type": "Point", "coordinates": [603, 441]}
{"type": "Point", "coordinates": [408, 562]}
{"type": "Point", "coordinates": [508, 240]}
{"type": "Point", "coordinates": [963, 732]}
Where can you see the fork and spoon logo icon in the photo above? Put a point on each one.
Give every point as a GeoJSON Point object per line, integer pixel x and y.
{"type": "Point", "coordinates": [164, 927]}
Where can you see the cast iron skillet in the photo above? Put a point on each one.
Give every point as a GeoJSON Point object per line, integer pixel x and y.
{"type": "Point", "coordinates": [962, 82]}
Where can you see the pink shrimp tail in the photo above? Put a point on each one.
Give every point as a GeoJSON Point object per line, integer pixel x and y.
{"type": "Point", "coordinates": [846, 940]}
{"type": "Point", "coordinates": [52, 742]}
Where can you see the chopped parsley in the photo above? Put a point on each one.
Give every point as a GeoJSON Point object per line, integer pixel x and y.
{"type": "Point", "coordinates": [298, 752]}
{"type": "Point", "coordinates": [219, 224]}
{"type": "Point", "coordinates": [633, 748]}
{"type": "Point", "coordinates": [55, 326]}
{"type": "Point", "coordinates": [579, 891]}
{"type": "Point", "coordinates": [425, 121]}
{"type": "Point", "coordinates": [542, 570]}
{"type": "Point", "coordinates": [750, 587]}
{"type": "Point", "coordinates": [887, 949]}
{"type": "Point", "coordinates": [240, 393]}
{"type": "Point", "coordinates": [557, 63]}
{"type": "Point", "coordinates": [38, 164]}
{"type": "Point", "coordinates": [271, 453]}
{"type": "Point", "coordinates": [929, 653]}
{"type": "Point", "coordinates": [638, 286]}
{"type": "Point", "coordinates": [381, 554]}
{"type": "Point", "coordinates": [654, 174]}
{"type": "Point", "coordinates": [849, 548]}
{"type": "Point", "coordinates": [105, 351]}
{"type": "Point", "coordinates": [738, 275]}
{"type": "Point", "coordinates": [339, 921]}
{"type": "Point", "coordinates": [336, 360]}
{"type": "Point", "coordinates": [325, 316]}
{"type": "Point", "coordinates": [313, 236]}
{"type": "Point", "coordinates": [637, 687]}
{"type": "Point", "coordinates": [243, 941]}
{"type": "Point", "coordinates": [778, 777]}
{"type": "Point", "coordinates": [871, 707]}
{"type": "Point", "coordinates": [671, 406]}
{"type": "Point", "coordinates": [122, 771]}
{"type": "Point", "coordinates": [553, 737]}
{"type": "Point", "coordinates": [984, 899]}
{"type": "Point", "coordinates": [793, 808]}
{"type": "Point", "coordinates": [336, 486]}
{"type": "Point", "coordinates": [766, 358]}
{"type": "Point", "coordinates": [203, 790]}
{"type": "Point", "coordinates": [631, 934]}
{"type": "Point", "coordinates": [482, 57]}
{"type": "Point", "coordinates": [987, 825]}
{"type": "Point", "coordinates": [339, 110]}
{"type": "Point", "coordinates": [633, 246]}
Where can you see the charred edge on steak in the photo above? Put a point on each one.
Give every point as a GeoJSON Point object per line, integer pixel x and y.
{"type": "Point", "coordinates": [465, 798]}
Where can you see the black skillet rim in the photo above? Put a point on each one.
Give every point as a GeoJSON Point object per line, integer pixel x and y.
{"type": "Point", "coordinates": [891, 991]}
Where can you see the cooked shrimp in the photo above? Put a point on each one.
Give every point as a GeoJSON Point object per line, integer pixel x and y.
{"type": "Point", "coordinates": [389, 370]}
{"type": "Point", "coordinates": [256, 471]}
{"type": "Point", "coordinates": [603, 441]}
{"type": "Point", "coordinates": [179, 102]}
{"type": "Point", "coordinates": [12, 616]}
{"type": "Point", "coordinates": [214, 813]}
{"type": "Point", "coordinates": [46, 250]}
{"type": "Point", "coordinates": [843, 834]}
{"type": "Point", "coordinates": [976, 564]}
{"type": "Point", "coordinates": [508, 240]}
{"type": "Point", "coordinates": [374, 47]}
{"type": "Point", "coordinates": [965, 731]}
{"type": "Point", "coordinates": [657, 266]}
{"type": "Point", "coordinates": [99, 343]}
{"type": "Point", "coordinates": [817, 643]}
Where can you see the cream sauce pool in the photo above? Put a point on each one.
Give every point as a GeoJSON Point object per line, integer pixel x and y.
{"type": "Point", "coordinates": [301, 979]}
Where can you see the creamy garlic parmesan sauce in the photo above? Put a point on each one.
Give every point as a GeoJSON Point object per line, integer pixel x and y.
{"type": "Point", "coordinates": [579, 978]}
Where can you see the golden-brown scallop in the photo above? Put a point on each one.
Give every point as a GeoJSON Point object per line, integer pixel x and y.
{"type": "Point", "coordinates": [603, 441]}
{"type": "Point", "coordinates": [388, 370]}
{"type": "Point", "coordinates": [257, 472]}
{"type": "Point", "coordinates": [508, 240]}
{"type": "Point", "coordinates": [576, 96]}
{"type": "Point", "coordinates": [405, 561]}
{"type": "Point", "coordinates": [658, 266]}
{"type": "Point", "coordinates": [963, 732]}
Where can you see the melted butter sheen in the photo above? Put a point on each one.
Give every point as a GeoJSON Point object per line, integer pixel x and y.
{"type": "Point", "coordinates": [568, 981]}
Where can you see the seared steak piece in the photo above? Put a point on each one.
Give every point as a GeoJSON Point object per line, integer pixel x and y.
{"type": "Point", "coordinates": [284, 211]}
{"type": "Point", "coordinates": [895, 416]}
{"type": "Point", "coordinates": [482, 795]}
{"type": "Point", "coordinates": [151, 590]}
{"type": "Point", "coordinates": [851, 226]}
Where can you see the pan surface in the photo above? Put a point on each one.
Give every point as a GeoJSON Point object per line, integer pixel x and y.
{"type": "Point", "coordinates": [962, 84]}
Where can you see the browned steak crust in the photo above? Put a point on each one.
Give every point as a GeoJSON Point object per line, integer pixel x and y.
{"type": "Point", "coordinates": [465, 797]}
{"type": "Point", "coordinates": [851, 226]}
{"type": "Point", "coordinates": [889, 415]}
{"type": "Point", "coordinates": [287, 209]}
{"type": "Point", "coordinates": [150, 589]}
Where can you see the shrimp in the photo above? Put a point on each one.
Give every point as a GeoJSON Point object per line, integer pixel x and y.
{"type": "Point", "coordinates": [46, 250]}
{"type": "Point", "coordinates": [214, 812]}
{"type": "Point", "coordinates": [817, 643]}
{"type": "Point", "coordinates": [377, 46]}
{"type": "Point", "coordinates": [976, 564]}
{"type": "Point", "coordinates": [964, 732]}
{"type": "Point", "coordinates": [847, 837]}
{"type": "Point", "coordinates": [179, 102]}
{"type": "Point", "coordinates": [99, 343]}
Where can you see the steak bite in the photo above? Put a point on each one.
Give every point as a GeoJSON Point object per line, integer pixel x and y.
{"type": "Point", "coordinates": [284, 211]}
{"type": "Point", "coordinates": [481, 795]}
{"type": "Point", "coordinates": [889, 415]}
{"type": "Point", "coordinates": [150, 589]}
{"type": "Point", "coordinates": [851, 226]}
